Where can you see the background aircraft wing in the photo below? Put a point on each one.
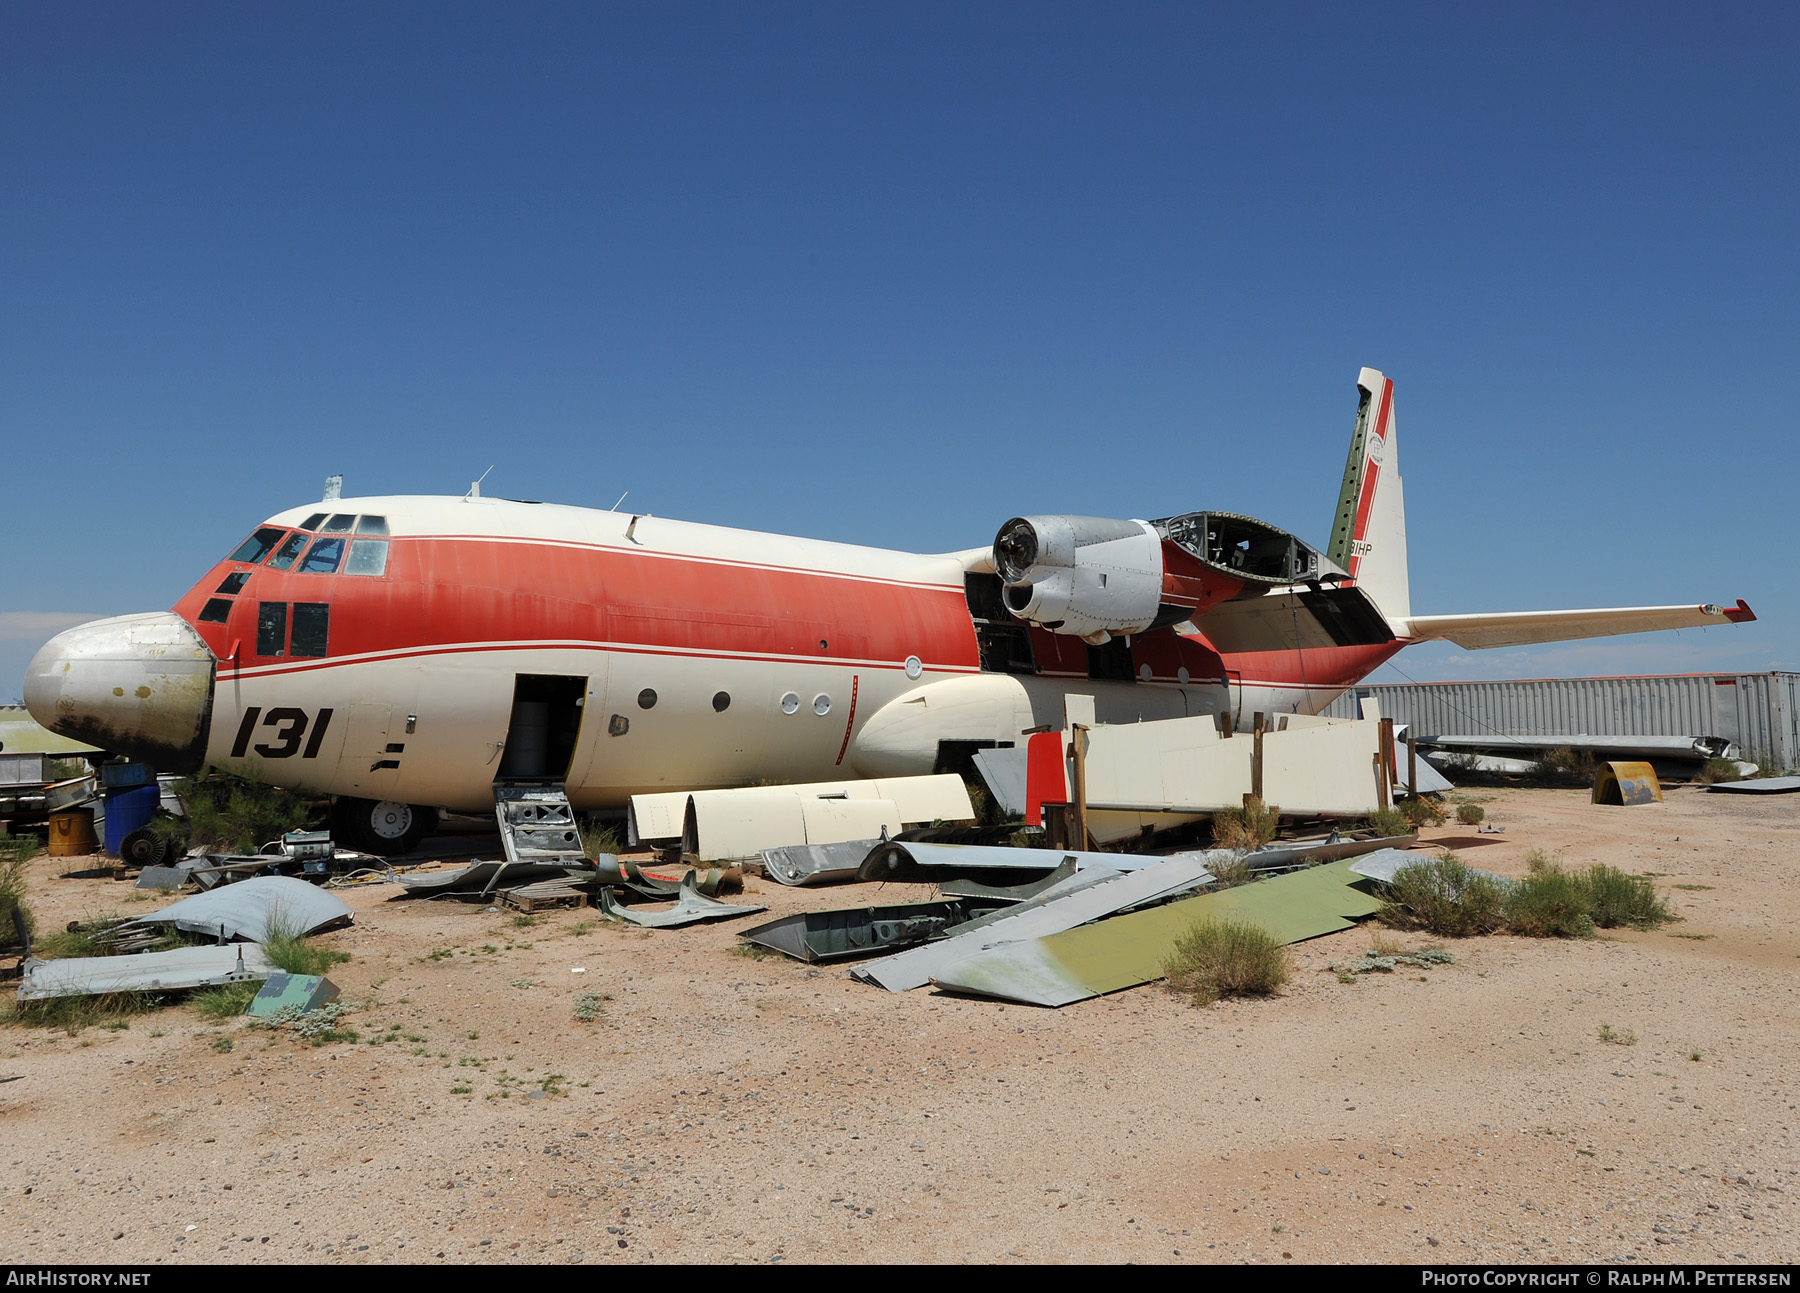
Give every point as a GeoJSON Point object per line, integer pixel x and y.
{"type": "Point", "coordinates": [1521, 628]}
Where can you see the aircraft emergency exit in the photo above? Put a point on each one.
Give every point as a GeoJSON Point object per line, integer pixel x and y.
{"type": "Point", "coordinates": [405, 653]}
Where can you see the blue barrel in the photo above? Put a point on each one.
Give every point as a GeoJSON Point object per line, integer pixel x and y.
{"type": "Point", "coordinates": [126, 810]}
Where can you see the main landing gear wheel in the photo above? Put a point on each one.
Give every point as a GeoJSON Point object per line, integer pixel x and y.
{"type": "Point", "coordinates": [383, 827]}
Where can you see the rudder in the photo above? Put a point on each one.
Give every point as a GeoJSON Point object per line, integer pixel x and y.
{"type": "Point", "coordinates": [1368, 533]}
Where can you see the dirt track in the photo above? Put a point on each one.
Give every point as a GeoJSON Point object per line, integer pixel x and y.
{"type": "Point", "coordinates": [723, 1108]}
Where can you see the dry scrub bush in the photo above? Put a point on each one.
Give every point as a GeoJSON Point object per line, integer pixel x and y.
{"type": "Point", "coordinates": [1245, 828]}
{"type": "Point", "coordinates": [1226, 958]}
{"type": "Point", "coordinates": [1443, 896]}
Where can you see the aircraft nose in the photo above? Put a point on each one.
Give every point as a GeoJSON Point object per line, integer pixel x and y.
{"type": "Point", "coordinates": [138, 685]}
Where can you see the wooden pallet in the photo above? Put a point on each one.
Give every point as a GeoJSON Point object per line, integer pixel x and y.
{"type": "Point", "coordinates": [547, 895]}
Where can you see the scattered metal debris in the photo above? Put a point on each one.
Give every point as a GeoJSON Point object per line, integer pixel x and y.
{"type": "Point", "coordinates": [1759, 786]}
{"type": "Point", "coordinates": [690, 908]}
{"type": "Point", "coordinates": [182, 967]}
{"type": "Point", "coordinates": [252, 909]}
{"type": "Point", "coordinates": [858, 931]}
{"type": "Point", "coordinates": [912, 860]}
{"type": "Point", "coordinates": [803, 864]}
{"type": "Point", "coordinates": [1128, 950]}
{"type": "Point", "coordinates": [537, 825]}
{"type": "Point", "coordinates": [299, 992]}
{"type": "Point", "coordinates": [1627, 784]}
{"type": "Point", "coordinates": [476, 878]}
{"type": "Point", "coordinates": [1006, 893]}
{"type": "Point", "coordinates": [1090, 897]}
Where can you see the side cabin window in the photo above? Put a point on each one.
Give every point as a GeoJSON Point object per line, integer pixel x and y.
{"type": "Point", "coordinates": [312, 628]}
{"type": "Point", "coordinates": [311, 622]}
{"type": "Point", "coordinates": [271, 629]}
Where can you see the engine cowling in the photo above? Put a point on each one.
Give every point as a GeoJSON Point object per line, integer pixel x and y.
{"type": "Point", "coordinates": [1088, 576]}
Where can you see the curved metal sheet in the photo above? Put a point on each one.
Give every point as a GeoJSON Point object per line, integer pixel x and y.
{"type": "Point", "coordinates": [251, 909]}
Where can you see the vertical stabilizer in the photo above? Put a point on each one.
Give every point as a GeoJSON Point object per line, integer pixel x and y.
{"type": "Point", "coordinates": [1368, 533]}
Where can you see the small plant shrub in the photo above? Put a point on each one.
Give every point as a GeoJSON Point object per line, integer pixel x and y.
{"type": "Point", "coordinates": [1471, 814]}
{"type": "Point", "coordinates": [1615, 898]}
{"type": "Point", "coordinates": [1389, 821]}
{"type": "Point", "coordinates": [1445, 897]}
{"type": "Point", "coordinates": [598, 838]}
{"type": "Point", "coordinates": [1226, 958]}
{"type": "Point", "coordinates": [238, 812]}
{"type": "Point", "coordinates": [1563, 766]}
{"type": "Point", "coordinates": [1245, 828]}
{"type": "Point", "coordinates": [1230, 874]}
{"type": "Point", "coordinates": [224, 1002]}
{"type": "Point", "coordinates": [1420, 811]}
{"type": "Point", "coordinates": [1548, 903]}
{"type": "Point", "coordinates": [1717, 770]}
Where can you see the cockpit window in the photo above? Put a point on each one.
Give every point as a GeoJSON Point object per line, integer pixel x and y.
{"type": "Point", "coordinates": [257, 546]}
{"type": "Point", "coordinates": [371, 525]}
{"type": "Point", "coordinates": [234, 582]}
{"type": "Point", "coordinates": [313, 522]}
{"type": "Point", "coordinates": [323, 557]}
{"type": "Point", "coordinates": [367, 557]}
{"type": "Point", "coordinates": [339, 524]}
{"type": "Point", "coordinates": [285, 554]}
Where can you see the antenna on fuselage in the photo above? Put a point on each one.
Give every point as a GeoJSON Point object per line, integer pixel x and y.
{"type": "Point", "coordinates": [475, 485]}
{"type": "Point", "coordinates": [615, 506]}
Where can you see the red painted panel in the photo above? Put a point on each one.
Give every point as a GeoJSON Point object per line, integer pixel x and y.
{"type": "Point", "coordinates": [450, 592]}
{"type": "Point", "coordinates": [1046, 780]}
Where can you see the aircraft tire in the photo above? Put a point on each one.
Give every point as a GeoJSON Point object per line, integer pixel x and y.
{"type": "Point", "coordinates": [385, 828]}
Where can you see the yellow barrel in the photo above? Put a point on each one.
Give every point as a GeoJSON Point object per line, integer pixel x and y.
{"type": "Point", "coordinates": [72, 833]}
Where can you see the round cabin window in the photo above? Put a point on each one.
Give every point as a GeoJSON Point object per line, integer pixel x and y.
{"type": "Point", "coordinates": [647, 698]}
{"type": "Point", "coordinates": [721, 701]}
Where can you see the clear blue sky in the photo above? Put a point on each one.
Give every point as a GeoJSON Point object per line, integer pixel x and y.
{"type": "Point", "coordinates": [892, 274]}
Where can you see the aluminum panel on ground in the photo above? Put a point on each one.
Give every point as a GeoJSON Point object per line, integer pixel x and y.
{"type": "Point", "coordinates": [179, 968]}
{"type": "Point", "coordinates": [1047, 914]}
{"type": "Point", "coordinates": [255, 909]}
{"type": "Point", "coordinates": [1128, 950]}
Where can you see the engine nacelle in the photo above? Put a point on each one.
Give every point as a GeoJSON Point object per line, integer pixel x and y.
{"type": "Point", "coordinates": [1083, 575]}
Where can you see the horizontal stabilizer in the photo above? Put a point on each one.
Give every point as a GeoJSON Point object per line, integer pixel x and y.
{"type": "Point", "coordinates": [1522, 628]}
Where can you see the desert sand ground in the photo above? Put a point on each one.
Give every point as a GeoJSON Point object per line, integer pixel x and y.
{"type": "Point", "coordinates": [729, 1109]}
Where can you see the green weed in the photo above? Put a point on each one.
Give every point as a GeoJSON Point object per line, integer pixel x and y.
{"type": "Point", "coordinates": [1471, 814]}
{"type": "Point", "coordinates": [1224, 958]}
{"type": "Point", "coordinates": [1549, 902]}
{"type": "Point", "coordinates": [1388, 821]}
{"type": "Point", "coordinates": [227, 1001]}
{"type": "Point", "coordinates": [239, 812]}
{"type": "Point", "coordinates": [1245, 828]}
{"type": "Point", "coordinates": [1444, 897]}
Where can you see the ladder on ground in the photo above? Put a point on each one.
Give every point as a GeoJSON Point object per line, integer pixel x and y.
{"type": "Point", "coordinates": [538, 826]}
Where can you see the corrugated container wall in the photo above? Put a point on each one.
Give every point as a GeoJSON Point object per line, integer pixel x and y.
{"type": "Point", "coordinates": [1760, 711]}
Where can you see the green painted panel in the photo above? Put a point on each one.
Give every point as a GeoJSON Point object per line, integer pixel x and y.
{"type": "Point", "coordinates": [1128, 950]}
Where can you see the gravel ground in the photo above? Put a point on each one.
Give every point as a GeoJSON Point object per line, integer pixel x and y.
{"type": "Point", "coordinates": [722, 1108]}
